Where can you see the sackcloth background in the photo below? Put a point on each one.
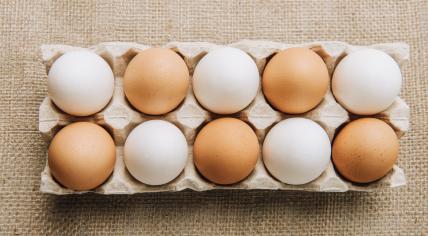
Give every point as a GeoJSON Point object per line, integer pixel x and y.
{"type": "Point", "coordinates": [25, 25]}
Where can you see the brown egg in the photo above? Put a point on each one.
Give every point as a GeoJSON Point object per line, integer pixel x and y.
{"type": "Point", "coordinates": [81, 156]}
{"type": "Point", "coordinates": [295, 80]}
{"type": "Point", "coordinates": [226, 151]}
{"type": "Point", "coordinates": [365, 150]}
{"type": "Point", "coordinates": [156, 81]}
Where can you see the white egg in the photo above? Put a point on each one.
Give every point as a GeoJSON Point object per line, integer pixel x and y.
{"type": "Point", "coordinates": [155, 152]}
{"type": "Point", "coordinates": [80, 83]}
{"type": "Point", "coordinates": [366, 82]}
{"type": "Point", "coordinates": [226, 80]}
{"type": "Point", "coordinates": [296, 151]}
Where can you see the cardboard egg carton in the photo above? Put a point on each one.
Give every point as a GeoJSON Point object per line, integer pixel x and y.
{"type": "Point", "coordinates": [119, 118]}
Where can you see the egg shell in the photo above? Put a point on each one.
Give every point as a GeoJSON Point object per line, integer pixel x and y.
{"type": "Point", "coordinates": [155, 152]}
{"type": "Point", "coordinates": [367, 81]}
{"type": "Point", "coordinates": [119, 118]}
{"type": "Point", "coordinates": [365, 150]}
{"type": "Point", "coordinates": [296, 151]}
{"type": "Point", "coordinates": [226, 80]}
{"type": "Point", "coordinates": [226, 150]}
{"type": "Point", "coordinates": [81, 156]}
{"type": "Point", "coordinates": [295, 80]}
{"type": "Point", "coordinates": [156, 80]}
{"type": "Point", "coordinates": [80, 83]}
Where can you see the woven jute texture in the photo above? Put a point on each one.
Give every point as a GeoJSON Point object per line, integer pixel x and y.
{"type": "Point", "coordinates": [25, 25]}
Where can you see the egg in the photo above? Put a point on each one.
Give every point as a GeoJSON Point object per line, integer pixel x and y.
{"type": "Point", "coordinates": [295, 80]}
{"type": "Point", "coordinates": [156, 81]}
{"type": "Point", "coordinates": [365, 150]}
{"type": "Point", "coordinates": [296, 151]}
{"type": "Point", "coordinates": [155, 152]}
{"type": "Point", "coordinates": [80, 83]}
{"type": "Point", "coordinates": [366, 82]}
{"type": "Point", "coordinates": [226, 151]}
{"type": "Point", "coordinates": [81, 156]}
{"type": "Point", "coordinates": [226, 80]}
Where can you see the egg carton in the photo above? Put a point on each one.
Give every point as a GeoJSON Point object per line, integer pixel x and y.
{"type": "Point", "coordinates": [119, 118]}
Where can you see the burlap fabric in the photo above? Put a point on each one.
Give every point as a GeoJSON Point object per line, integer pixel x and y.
{"type": "Point", "coordinates": [24, 25]}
